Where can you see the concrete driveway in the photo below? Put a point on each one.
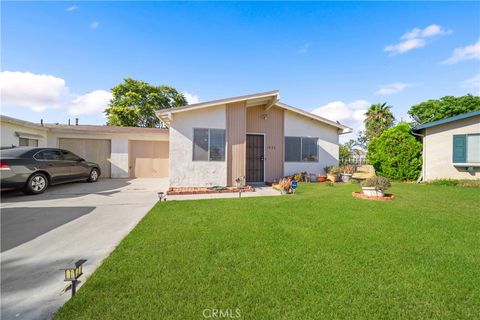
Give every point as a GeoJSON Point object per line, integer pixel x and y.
{"type": "Point", "coordinates": [44, 233]}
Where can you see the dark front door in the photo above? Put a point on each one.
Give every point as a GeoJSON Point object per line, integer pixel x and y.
{"type": "Point", "coordinates": [255, 157]}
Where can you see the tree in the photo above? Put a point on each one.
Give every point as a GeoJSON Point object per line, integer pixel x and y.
{"type": "Point", "coordinates": [445, 107]}
{"type": "Point", "coordinates": [134, 103]}
{"type": "Point", "coordinates": [347, 149]}
{"type": "Point", "coordinates": [379, 118]}
{"type": "Point", "coordinates": [396, 154]}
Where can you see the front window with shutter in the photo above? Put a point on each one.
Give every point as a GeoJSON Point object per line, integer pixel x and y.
{"type": "Point", "coordinates": [466, 148]}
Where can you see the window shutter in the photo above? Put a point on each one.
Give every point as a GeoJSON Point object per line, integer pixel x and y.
{"type": "Point", "coordinates": [459, 148]}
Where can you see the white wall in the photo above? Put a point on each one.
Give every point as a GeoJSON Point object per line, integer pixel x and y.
{"type": "Point", "coordinates": [119, 145]}
{"type": "Point", "coordinates": [438, 148]}
{"type": "Point", "coordinates": [300, 126]}
{"type": "Point", "coordinates": [9, 138]}
{"type": "Point", "coordinates": [184, 172]}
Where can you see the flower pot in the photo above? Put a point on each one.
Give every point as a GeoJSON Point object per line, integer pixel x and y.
{"type": "Point", "coordinates": [332, 177]}
{"type": "Point", "coordinates": [372, 192]}
{"type": "Point", "coordinates": [346, 177]}
{"type": "Point", "coordinates": [321, 178]}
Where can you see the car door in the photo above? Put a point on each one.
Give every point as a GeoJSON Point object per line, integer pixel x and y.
{"type": "Point", "coordinates": [51, 161]}
{"type": "Point", "coordinates": [76, 166]}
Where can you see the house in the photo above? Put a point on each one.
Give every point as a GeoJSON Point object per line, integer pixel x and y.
{"type": "Point", "coordinates": [253, 138]}
{"type": "Point", "coordinates": [121, 152]}
{"type": "Point", "coordinates": [451, 147]}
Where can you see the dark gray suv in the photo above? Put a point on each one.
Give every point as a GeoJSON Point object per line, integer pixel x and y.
{"type": "Point", "coordinates": [33, 169]}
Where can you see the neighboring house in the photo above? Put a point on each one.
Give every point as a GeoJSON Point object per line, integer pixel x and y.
{"type": "Point", "coordinates": [121, 152]}
{"type": "Point", "coordinates": [451, 147]}
{"type": "Point", "coordinates": [253, 137]}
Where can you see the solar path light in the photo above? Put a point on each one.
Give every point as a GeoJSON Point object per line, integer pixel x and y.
{"type": "Point", "coordinates": [73, 273]}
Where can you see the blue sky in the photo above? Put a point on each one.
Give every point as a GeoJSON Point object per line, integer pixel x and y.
{"type": "Point", "coordinates": [59, 59]}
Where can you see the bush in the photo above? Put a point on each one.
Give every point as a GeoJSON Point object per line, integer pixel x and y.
{"type": "Point", "coordinates": [379, 183]}
{"type": "Point", "coordinates": [333, 170]}
{"type": "Point", "coordinates": [396, 154]}
{"type": "Point", "coordinates": [456, 183]}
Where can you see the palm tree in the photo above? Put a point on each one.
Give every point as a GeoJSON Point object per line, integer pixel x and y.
{"type": "Point", "coordinates": [379, 117]}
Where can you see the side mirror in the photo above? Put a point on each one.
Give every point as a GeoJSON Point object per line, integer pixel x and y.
{"type": "Point", "coordinates": [80, 160]}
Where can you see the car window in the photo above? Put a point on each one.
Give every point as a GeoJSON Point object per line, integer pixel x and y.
{"type": "Point", "coordinates": [67, 155]}
{"type": "Point", "coordinates": [49, 155]}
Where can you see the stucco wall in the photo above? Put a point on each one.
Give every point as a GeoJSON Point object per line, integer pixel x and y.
{"type": "Point", "coordinates": [438, 145]}
{"type": "Point", "coordinates": [184, 172]}
{"type": "Point", "coordinates": [9, 138]}
{"type": "Point", "coordinates": [119, 146]}
{"type": "Point", "coordinates": [299, 126]}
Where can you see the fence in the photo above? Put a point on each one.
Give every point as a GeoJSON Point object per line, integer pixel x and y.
{"type": "Point", "coordinates": [357, 161]}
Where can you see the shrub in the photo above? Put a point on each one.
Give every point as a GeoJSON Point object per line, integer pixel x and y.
{"type": "Point", "coordinates": [333, 170]}
{"type": "Point", "coordinates": [396, 154]}
{"type": "Point", "coordinates": [285, 184]}
{"type": "Point", "coordinates": [348, 169]}
{"type": "Point", "coordinates": [379, 183]}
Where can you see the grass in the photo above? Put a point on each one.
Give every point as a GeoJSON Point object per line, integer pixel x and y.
{"type": "Point", "coordinates": [319, 254]}
{"type": "Point", "coordinates": [456, 183]}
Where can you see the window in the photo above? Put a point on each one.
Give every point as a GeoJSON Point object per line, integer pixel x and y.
{"type": "Point", "coordinates": [67, 155]}
{"type": "Point", "coordinates": [25, 142]}
{"type": "Point", "coordinates": [473, 148]}
{"type": "Point", "coordinates": [49, 155]}
{"type": "Point", "coordinates": [293, 149]}
{"type": "Point", "coordinates": [301, 149]}
{"type": "Point", "coordinates": [466, 148]}
{"type": "Point", "coordinates": [208, 144]}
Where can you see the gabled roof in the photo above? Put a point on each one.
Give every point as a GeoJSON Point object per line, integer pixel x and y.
{"type": "Point", "coordinates": [447, 120]}
{"type": "Point", "coordinates": [270, 98]}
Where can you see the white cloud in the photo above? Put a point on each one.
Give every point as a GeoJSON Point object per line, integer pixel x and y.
{"type": "Point", "coordinates": [94, 102]}
{"type": "Point", "coordinates": [350, 114]}
{"type": "Point", "coordinates": [416, 38]}
{"type": "Point", "coordinates": [392, 88]}
{"type": "Point", "coordinates": [472, 83]}
{"type": "Point", "coordinates": [94, 25]}
{"type": "Point", "coordinates": [37, 92]}
{"type": "Point", "coordinates": [72, 8]}
{"type": "Point", "coordinates": [191, 98]}
{"type": "Point", "coordinates": [304, 49]}
{"type": "Point", "coordinates": [470, 52]}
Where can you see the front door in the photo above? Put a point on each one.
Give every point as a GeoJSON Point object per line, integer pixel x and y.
{"type": "Point", "coordinates": [255, 157]}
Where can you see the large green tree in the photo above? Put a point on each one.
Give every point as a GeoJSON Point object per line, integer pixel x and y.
{"type": "Point", "coordinates": [438, 109]}
{"type": "Point", "coordinates": [396, 153]}
{"type": "Point", "coordinates": [347, 149]}
{"type": "Point", "coordinates": [379, 117]}
{"type": "Point", "coordinates": [134, 103]}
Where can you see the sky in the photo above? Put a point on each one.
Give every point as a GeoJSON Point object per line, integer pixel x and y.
{"type": "Point", "coordinates": [60, 59]}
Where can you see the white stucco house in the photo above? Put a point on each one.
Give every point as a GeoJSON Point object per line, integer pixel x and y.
{"type": "Point", "coordinates": [255, 138]}
{"type": "Point", "coordinates": [451, 147]}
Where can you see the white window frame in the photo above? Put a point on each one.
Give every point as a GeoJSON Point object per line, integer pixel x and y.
{"type": "Point", "coordinates": [301, 150]}
{"type": "Point", "coordinates": [208, 151]}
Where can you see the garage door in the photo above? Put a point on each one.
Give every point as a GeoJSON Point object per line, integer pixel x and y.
{"type": "Point", "coordinates": [93, 150]}
{"type": "Point", "coordinates": [148, 159]}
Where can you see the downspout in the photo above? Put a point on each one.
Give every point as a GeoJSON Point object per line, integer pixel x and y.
{"type": "Point", "coordinates": [420, 178]}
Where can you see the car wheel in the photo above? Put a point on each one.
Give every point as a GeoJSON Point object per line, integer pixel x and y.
{"type": "Point", "coordinates": [36, 184]}
{"type": "Point", "coordinates": [94, 174]}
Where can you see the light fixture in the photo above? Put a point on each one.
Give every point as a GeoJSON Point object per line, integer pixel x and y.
{"type": "Point", "coordinates": [73, 273]}
{"type": "Point", "coordinates": [264, 116]}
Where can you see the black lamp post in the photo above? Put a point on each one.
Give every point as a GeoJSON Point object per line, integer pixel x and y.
{"type": "Point", "coordinates": [73, 273]}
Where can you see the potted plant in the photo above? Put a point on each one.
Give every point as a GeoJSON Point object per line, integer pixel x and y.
{"type": "Point", "coordinates": [375, 186]}
{"type": "Point", "coordinates": [332, 173]}
{"type": "Point", "coordinates": [347, 172]}
{"type": "Point", "coordinates": [285, 185]}
{"type": "Point", "coordinates": [321, 178]}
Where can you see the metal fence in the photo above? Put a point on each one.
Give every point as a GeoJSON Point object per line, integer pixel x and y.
{"type": "Point", "coordinates": [357, 161]}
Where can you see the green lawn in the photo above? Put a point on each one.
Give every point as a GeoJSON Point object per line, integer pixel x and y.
{"type": "Point", "coordinates": [319, 254]}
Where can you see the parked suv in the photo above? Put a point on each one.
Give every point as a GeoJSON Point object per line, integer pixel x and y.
{"type": "Point", "coordinates": [33, 169]}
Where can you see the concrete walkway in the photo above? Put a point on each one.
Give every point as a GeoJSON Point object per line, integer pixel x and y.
{"type": "Point", "coordinates": [42, 234]}
{"type": "Point", "coordinates": [259, 192]}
